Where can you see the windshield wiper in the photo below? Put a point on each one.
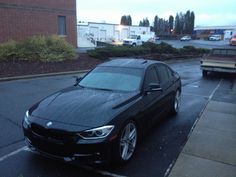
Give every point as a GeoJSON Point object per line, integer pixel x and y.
{"type": "Point", "coordinates": [105, 89]}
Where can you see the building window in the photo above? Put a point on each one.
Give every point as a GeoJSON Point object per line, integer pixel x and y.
{"type": "Point", "coordinates": [61, 25]}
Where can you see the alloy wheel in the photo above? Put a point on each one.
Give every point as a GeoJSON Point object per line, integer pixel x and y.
{"type": "Point", "coordinates": [177, 101]}
{"type": "Point", "coordinates": [128, 141]}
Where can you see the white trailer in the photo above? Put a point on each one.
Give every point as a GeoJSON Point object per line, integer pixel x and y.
{"type": "Point", "coordinates": [107, 32]}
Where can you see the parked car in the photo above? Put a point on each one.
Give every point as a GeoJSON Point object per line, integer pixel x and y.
{"type": "Point", "coordinates": [233, 40]}
{"type": "Point", "coordinates": [100, 118]}
{"type": "Point", "coordinates": [135, 40]}
{"type": "Point", "coordinates": [219, 60]}
{"type": "Point", "coordinates": [157, 38]}
{"type": "Point", "coordinates": [185, 38]}
{"type": "Point", "coordinates": [215, 37]}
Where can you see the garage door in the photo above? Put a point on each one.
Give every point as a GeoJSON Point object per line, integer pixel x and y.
{"type": "Point", "coordinates": [124, 33]}
{"type": "Point", "coordinates": [103, 35]}
{"type": "Point", "coordinates": [94, 32]}
{"type": "Point", "coordinates": [117, 35]}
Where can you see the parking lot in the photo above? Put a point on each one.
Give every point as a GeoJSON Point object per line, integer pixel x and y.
{"type": "Point", "coordinates": [155, 154]}
{"type": "Point", "coordinates": [199, 43]}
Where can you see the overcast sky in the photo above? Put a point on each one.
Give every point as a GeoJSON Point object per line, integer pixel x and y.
{"type": "Point", "coordinates": [207, 12]}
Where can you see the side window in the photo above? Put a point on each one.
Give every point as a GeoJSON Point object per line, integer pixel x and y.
{"type": "Point", "coordinates": [151, 77]}
{"type": "Point", "coordinates": [170, 72]}
{"type": "Point", "coordinates": [163, 74]}
{"type": "Point", "coordinates": [61, 25]}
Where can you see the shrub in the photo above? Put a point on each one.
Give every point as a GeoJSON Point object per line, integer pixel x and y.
{"type": "Point", "coordinates": [118, 51]}
{"type": "Point", "coordinates": [8, 50]}
{"type": "Point", "coordinates": [166, 48]}
{"type": "Point", "coordinates": [152, 46]}
{"type": "Point", "coordinates": [51, 48]}
{"type": "Point", "coordinates": [192, 50]}
{"type": "Point", "coordinates": [160, 48]}
{"type": "Point", "coordinates": [146, 48]}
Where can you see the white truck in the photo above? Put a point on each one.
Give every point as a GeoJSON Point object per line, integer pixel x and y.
{"type": "Point", "coordinates": [219, 60]}
{"type": "Point", "coordinates": [139, 39]}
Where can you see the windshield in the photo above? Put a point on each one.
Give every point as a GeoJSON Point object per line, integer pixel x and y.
{"type": "Point", "coordinates": [133, 37]}
{"type": "Point", "coordinates": [113, 78]}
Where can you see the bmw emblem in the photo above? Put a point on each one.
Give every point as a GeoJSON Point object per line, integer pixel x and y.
{"type": "Point", "coordinates": [49, 124]}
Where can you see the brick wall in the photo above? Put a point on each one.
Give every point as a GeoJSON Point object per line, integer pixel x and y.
{"type": "Point", "coordinates": [59, 4]}
{"type": "Point", "coordinates": [23, 18]}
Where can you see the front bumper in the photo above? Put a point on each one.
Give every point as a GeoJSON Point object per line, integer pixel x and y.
{"type": "Point", "coordinates": [79, 152]}
{"type": "Point", "coordinates": [127, 44]}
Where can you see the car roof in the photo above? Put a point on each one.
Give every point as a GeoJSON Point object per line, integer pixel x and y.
{"type": "Point", "coordinates": [129, 63]}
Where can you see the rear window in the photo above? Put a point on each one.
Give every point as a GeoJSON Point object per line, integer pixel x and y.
{"type": "Point", "coordinates": [221, 52]}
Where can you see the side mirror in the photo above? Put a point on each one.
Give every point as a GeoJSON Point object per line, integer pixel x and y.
{"type": "Point", "coordinates": [77, 80]}
{"type": "Point", "coordinates": [153, 87]}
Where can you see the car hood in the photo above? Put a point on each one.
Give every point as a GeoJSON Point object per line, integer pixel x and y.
{"type": "Point", "coordinates": [82, 107]}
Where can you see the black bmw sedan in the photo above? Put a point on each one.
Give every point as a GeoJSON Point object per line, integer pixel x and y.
{"type": "Point", "coordinates": [100, 118]}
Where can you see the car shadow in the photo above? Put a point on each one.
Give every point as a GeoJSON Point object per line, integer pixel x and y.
{"type": "Point", "coordinates": [43, 166]}
{"type": "Point", "coordinates": [219, 75]}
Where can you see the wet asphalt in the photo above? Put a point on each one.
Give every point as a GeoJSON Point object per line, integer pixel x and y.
{"type": "Point", "coordinates": [156, 152]}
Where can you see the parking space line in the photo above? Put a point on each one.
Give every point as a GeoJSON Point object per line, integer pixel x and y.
{"type": "Point", "coordinates": [213, 92]}
{"type": "Point", "coordinates": [106, 173]}
{"type": "Point", "coordinates": [25, 148]}
{"type": "Point", "coordinates": [194, 124]}
{"type": "Point", "coordinates": [200, 114]}
{"type": "Point", "coordinates": [190, 94]}
{"type": "Point", "coordinates": [169, 168]}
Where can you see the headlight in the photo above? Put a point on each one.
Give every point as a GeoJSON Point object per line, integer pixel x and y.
{"type": "Point", "coordinates": [26, 119]}
{"type": "Point", "coordinates": [97, 133]}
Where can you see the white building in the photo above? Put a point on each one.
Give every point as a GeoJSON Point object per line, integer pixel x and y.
{"type": "Point", "coordinates": [107, 32]}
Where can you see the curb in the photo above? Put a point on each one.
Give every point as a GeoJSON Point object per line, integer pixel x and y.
{"type": "Point", "coordinates": [42, 75]}
{"type": "Point", "coordinates": [168, 171]}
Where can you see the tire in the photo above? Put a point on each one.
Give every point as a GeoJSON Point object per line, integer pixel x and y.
{"type": "Point", "coordinates": [127, 142]}
{"type": "Point", "coordinates": [176, 102]}
{"type": "Point", "coordinates": [134, 44]}
{"type": "Point", "coordinates": [204, 73]}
